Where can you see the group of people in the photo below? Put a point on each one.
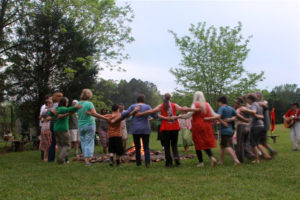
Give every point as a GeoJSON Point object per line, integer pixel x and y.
{"type": "Point", "coordinates": [250, 114]}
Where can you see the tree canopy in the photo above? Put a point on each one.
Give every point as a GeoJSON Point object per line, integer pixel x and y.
{"type": "Point", "coordinates": [212, 62]}
{"type": "Point", "coordinates": [62, 45]}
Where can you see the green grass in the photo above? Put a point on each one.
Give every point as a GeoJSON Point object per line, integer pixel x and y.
{"type": "Point", "coordinates": [24, 176]}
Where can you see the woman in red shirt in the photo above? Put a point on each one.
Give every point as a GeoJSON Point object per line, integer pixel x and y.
{"type": "Point", "coordinates": [169, 126]}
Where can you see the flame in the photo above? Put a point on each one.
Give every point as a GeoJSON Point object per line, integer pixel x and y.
{"type": "Point", "coordinates": [133, 149]}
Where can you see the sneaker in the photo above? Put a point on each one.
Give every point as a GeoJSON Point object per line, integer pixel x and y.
{"type": "Point", "coordinates": [295, 149]}
{"type": "Point", "coordinates": [177, 161]}
{"type": "Point", "coordinates": [118, 162]}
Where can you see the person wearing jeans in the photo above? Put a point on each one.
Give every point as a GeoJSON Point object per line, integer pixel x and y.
{"type": "Point", "coordinates": [87, 125]}
{"type": "Point", "coordinates": [137, 138]}
{"type": "Point", "coordinates": [140, 128]}
{"type": "Point", "coordinates": [169, 126]}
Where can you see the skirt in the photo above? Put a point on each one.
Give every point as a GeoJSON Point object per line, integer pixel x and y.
{"type": "Point", "coordinates": [46, 138]}
{"type": "Point", "coordinates": [185, 138]}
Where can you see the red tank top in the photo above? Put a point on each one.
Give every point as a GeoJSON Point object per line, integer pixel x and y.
{"type": "Point", "coordinates": [167, 125]}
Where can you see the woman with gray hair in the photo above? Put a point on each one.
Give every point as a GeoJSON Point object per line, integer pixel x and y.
{"type": "Point", "coordinates": [202, 132]}
{"type": "Point", "coordinates": [87, 125]}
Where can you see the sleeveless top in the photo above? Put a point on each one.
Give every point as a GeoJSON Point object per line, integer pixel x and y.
{"type": "Point", "coordinates": [169, 125]}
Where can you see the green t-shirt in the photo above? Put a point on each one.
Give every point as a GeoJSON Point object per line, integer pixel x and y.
{"type": "Point", "coordinates": [83, 118]}
{"type": "Point", "coordinates": [62, 125]}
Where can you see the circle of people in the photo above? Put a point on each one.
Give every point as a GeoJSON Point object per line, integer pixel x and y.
{"type": "Point", "coordinates": [61, 124]}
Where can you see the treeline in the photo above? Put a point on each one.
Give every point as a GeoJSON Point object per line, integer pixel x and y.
{"type": "Point", "coordinates": [109, 92]}
{"type": "Point", "coordinates": [281, 97]}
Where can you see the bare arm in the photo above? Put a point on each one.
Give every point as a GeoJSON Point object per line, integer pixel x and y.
{"type": "Point", "coordinates": [251, 112]}
{"type": "Point", "coordinates": [242, 118]}
{"type": "Point", "coordinates": [60, 116]}
{"type": "Point", "coordinates": [133, 112]}
{"type": "Point", "coordinates": [168, 118]}
{"type": "Point", "coordinates": [224, 123]}
{"type": "Point", "coordinates": [189, 114]}
{"type": "Point", "coordinates": [230, 119]}
{"type": "Point", "coordinates": [263, 104]}
{"type": "Point", "coordinates": [186, 109]}
{"type": "Point", "coordinates": [216, 117]}
{"type": "Point", "coordinates": [93, 113]}
{"type": "Point", "coordinates": [259, 116]}
{"type": "Point", "coordinates": [149, 112]}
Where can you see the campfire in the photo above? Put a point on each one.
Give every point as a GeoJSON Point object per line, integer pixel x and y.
{"type": "Point", "coordinates": [129, 156]}
{"type": "Point", "coordinates": [131, 150]}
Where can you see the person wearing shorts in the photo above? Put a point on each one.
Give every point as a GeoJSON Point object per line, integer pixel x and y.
{"type": "Point", "coordinates": [73, 125]}
{"type": "Point", "coordinates": [115, 146]}
{"type": "Point", "coordinates": [257, 129]}
{"type": "Point", "coordinates": [228, 115]}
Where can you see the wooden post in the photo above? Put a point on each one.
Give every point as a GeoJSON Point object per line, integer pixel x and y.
{"type": "Point", "coordinates": [11, 118]}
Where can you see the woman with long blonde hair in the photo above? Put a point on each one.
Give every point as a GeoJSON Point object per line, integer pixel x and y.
{"type": "Point", "coordinates": [202, 132]}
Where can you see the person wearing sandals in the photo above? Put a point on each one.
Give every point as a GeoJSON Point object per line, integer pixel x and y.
{"type": "Point", "coordinates": [202, 131]}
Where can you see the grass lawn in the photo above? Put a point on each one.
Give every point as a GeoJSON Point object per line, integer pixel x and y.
{"type": "Point", "coordinates": [24, 176]}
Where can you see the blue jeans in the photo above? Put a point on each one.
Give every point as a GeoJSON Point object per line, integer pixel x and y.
{"type": "Point", "coordinates": [137, 143]}
{"type": "Point", "coordinates": [87, 138]}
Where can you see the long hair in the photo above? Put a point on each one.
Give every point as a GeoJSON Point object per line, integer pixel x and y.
{"type": "Point", "coordinates": [199, 97]}
{"type": "Point", "coordinates": [167, 98]}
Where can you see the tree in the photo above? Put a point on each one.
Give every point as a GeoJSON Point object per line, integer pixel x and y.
{"type": "Point", "coordinates": [47, 59]}
{"type": "Point", "coordinates": [106, 24]}
{"type": "Point", "coordinates": [11, 13]}
{"type": "Point", "coordinates": [62, 44]}
{"type": "Point", "coordinates": [212, 62]}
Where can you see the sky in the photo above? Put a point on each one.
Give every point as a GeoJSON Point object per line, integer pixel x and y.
{"type": "Point", "coordinates": [274, 25]}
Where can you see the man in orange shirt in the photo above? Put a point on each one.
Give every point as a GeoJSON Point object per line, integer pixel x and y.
{"type": "Point", "coordinates": [294, 114]}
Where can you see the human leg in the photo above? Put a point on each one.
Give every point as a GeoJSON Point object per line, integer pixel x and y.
{"type": "Point", "coordinates": [240, 148]}
{"type": "Point", "coordinates": [297, 132]}
{"type": "Point", "coordinates": [137, 144]}
{"type": "Point", "coordinates": [293, 138]}
{"type": "Point", "coordinates": [166, 142]}
{"type": "Point", "coordinates": [51, 154]}
{"type": "Point", "coordinates": [145, 139]}
{"type": "Point", "coordinates": [174, 144]}
{"type": "Point", "coordinates": [200, 158]}
{"type": "Point", "coordinates": [211, 157]}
